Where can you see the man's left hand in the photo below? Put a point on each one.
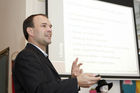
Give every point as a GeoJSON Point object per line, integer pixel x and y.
{"type": "Point", "coordinates": [75, 70]}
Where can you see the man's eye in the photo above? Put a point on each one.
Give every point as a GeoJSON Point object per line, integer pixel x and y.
{"type": "Point", "coordinates": [43, 25]}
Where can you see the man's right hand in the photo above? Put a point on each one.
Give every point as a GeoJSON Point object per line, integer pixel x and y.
{"type": "Point", "coordinates": [87, 79]}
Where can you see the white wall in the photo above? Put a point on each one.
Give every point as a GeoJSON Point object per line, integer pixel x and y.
{"type": "Point", "coordinates": [12, 13]}
{"type": "Point", "coordinates": [34, 7]}
{"type": "Point", "coordinates": [11, 17]}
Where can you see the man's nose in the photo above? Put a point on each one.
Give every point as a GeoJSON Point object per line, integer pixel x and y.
{"type": "Point", "coordinates": [49, 29]}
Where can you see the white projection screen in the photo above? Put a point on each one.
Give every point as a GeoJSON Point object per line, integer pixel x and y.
{"type": "Point", "coordinates": [100, 33]}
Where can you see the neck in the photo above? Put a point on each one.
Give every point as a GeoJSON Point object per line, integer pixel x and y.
{"type": "Point", "coordinates": [43, 47]}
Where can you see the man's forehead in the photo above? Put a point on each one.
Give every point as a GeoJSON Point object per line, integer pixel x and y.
{"type": "Point", "coordinates": [41, 19]}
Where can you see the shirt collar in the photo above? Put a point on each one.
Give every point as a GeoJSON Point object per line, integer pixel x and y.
{"type": "Point", "coordinates": [45, 54]}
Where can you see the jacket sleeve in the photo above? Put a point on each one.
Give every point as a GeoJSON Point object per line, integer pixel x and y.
{"type": "Point", "coordinates": [64, 86]}
{"type": "Point", "coordinates": [29, 74]}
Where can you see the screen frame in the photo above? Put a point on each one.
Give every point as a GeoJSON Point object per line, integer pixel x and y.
{"type": "Point", "coordinates": [128, 3]}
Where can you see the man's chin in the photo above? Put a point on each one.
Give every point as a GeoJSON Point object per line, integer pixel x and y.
{"type": "Point", "coordinates": [49, 43]}
{"type": "Point", "coordinates": [46, 43]}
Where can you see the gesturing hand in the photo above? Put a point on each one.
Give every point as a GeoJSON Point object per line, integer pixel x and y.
{"type": "Point", "coordinates": [75, 70]}
{"type": "Point", "coordinates": [87, 79]}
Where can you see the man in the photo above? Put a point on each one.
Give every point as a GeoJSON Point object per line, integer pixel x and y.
{"type": "Point", "coordinates": [34, 73]}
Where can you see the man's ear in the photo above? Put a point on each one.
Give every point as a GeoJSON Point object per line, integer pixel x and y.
{"type": "Point", "coordinates": [30, 31]}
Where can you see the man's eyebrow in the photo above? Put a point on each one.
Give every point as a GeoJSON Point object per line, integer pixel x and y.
{"type": "Point", "coordinates": [44, 23]}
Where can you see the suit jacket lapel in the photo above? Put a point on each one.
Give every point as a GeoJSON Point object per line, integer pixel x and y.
{"type": "Point", "coordinates": [50, 64]}
{"type": "Point", "coordinates": [42, 56]}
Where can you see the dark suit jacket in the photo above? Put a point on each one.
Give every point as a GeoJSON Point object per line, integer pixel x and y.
{"type": "Point", "coordinates": [34, 73]}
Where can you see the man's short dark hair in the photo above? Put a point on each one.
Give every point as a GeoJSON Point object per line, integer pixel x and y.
{"type": "Point", "coordinates": [28, 22]}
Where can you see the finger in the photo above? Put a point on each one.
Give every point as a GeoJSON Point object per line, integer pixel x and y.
{"type": "Point", "coordinates": [79, 64]}
{"type": "Point", "coordinates": [92, 77]}
{"type": "Point", "coordinates": [75, 62]}
{"type": "Point", "coordinates": [91, 74]}
{"type": "Point", "coordinates": [95, 79]}
{"type": "Point", "coordinates": [93, 82]}
{"type": "Point", "coordinates": [81, 71]}
{"type": "Point", "coordinates": [90, 83]}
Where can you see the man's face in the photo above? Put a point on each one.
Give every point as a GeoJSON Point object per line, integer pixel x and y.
{"type": "Point", "coordinates": [42, 31]}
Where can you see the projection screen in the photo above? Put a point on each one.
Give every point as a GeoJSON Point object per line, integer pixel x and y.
{"type": "Point", "coordinates": [101, 33]}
